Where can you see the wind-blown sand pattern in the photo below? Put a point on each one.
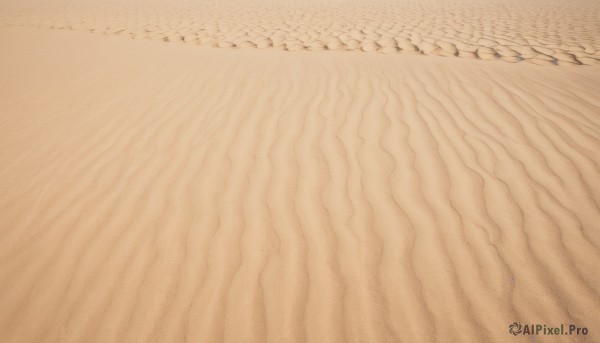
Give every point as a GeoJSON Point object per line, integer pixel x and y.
{"type": "Point", "coordinates": [544, 32]}
{"type": "Point", "coordinates": [158, 192]}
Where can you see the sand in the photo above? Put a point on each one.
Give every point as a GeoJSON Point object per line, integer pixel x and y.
{"type": "Point", "coordinates": [545, 32]}
{"type": "Point", "coordinates": [174, 192]}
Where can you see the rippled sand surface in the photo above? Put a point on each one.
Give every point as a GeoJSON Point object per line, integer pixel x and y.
{"type": "Point", "coordinates": [154, 192]}
{"type": "Point", "coordinates": [543, 32]}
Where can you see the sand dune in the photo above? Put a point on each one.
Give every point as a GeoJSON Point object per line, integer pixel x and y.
{"type": "Point", "coordinates": [158, 192]}
{"type": "Point", "coordinates": [544, 32]}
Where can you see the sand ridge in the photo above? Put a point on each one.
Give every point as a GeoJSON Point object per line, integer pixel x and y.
{"type": "Point", "coordinates": [557, 32]}
{"type": "Point", "coordinates": [280, 197]}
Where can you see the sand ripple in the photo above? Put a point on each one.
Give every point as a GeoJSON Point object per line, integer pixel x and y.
{"type": "Point", "coordinates": [554, 32]}
{"type": "Point", "coordinates": [154, 192]}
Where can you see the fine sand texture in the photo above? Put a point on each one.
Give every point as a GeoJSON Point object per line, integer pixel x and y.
{"type": "Point", "coordinates": [545, 32]}
{"type": "Point", "coordinates": [154, 192]}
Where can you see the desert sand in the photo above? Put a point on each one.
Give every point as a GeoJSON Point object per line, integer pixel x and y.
{"type": "Point", "coordinates": [261, 172]}
{"type": "Point", "coordinates": [545, 32]}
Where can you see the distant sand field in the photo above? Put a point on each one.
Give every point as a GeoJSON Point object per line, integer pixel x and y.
{"type": "Point", "coordinates": [546, 32]}
{"type": "Point", "coordinates": [202, 192]}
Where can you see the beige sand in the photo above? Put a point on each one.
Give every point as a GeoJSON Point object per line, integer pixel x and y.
{"type": "Point", "coordinates": [546, 32]}
{"type": "Point", "coordinates": [168, 192]}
